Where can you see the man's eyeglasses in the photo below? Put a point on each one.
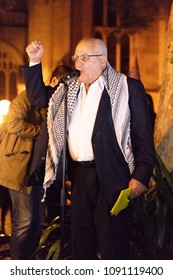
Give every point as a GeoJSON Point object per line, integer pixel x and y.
{"type": "Point", "coordinates": [83, 57]}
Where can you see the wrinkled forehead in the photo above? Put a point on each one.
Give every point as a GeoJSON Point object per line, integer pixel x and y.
{"type": "Point", "coordinates": [87, 47]}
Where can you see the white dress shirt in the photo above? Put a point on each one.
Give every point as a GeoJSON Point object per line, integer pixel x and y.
{"type": "Point", "coordinates": [82, 122]}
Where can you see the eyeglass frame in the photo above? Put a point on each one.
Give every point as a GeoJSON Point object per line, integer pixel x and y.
{"type": "Point", "coordinates": [87, 56]}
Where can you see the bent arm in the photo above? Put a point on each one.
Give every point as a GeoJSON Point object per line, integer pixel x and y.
{"type": "Point", "coordinates": [38, 94]}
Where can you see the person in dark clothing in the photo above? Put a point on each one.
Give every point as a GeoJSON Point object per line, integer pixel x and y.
{"type": "Point", "coordinates": [37, 169]}
{"type": "Point", "coordinates": [110, 145]}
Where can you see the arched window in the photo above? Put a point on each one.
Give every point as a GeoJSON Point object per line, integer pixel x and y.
{"type": "Point", "coordinates": [8, 76]}
{"type": "Point", "coordinates": [125, 54]}
{"type": "Point", "coordinates": [2, 85]}
{"type": "Point", "coordinates": [111, 50]}
{"type": "Point", "coordinates": [107, 25]}
{"type": "Point", "coordinates": [13, 83]}
{"type": "Point", "coordinates": [98, 13]}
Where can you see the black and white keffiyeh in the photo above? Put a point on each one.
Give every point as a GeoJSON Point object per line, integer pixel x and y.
{"type": "Point", "coordinates": [116, 85]}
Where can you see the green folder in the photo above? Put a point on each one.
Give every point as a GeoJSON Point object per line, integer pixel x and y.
{"type": "Point", "coordinates": [122, 201]}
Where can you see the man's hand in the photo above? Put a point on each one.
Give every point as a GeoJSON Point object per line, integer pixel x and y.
{"type": "Point", "coordinates": [35, 51]}
{"type": "Point", "coordinates": [137, 188]}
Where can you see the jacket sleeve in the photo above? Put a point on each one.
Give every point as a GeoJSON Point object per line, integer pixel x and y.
{"type": "Point", "coordinates": [141, 132]}
{"type": "Point", "coordinates": [18, 120]}
{"type": "Point", "coordinates": [38, 94]}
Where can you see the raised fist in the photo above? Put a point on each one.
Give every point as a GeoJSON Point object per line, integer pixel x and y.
{"type": "Point", "coordinates": [35, 51]}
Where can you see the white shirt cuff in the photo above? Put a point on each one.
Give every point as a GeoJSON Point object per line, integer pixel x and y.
{"type": "Point", "coordinates": [33, 63]}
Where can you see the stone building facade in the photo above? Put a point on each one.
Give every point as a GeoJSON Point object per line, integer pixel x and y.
{"type": "Point", "coordinates": [59, 25]}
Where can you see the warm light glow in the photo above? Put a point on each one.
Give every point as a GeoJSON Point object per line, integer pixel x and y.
{"type": "Point", "coordinates": [4, 106]}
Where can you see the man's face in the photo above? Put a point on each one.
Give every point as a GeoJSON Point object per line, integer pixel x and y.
{"type": "Point", "coordinates": [90, 67]}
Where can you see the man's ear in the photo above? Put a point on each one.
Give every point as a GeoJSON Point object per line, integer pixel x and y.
{"type": "Point", "coordinates": [54, 81]}
{"type": "Point", "coordinates": [104, 60]}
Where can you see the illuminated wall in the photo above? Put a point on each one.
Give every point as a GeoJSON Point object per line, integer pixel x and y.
{"type": "Point", "coordinates": [60, 26]}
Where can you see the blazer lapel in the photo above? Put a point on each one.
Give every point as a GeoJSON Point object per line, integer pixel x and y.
{"type": "Point", "coordinates": [104, 108]}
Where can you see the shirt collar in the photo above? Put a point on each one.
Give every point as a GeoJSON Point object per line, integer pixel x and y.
{"type": "Point", "coordinates": [99, 82]}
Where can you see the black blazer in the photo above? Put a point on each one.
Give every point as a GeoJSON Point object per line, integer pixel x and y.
{"type": "Point", "coordinates": [38, 96]}
{"type": "Point", "coordinates": [112, 169]}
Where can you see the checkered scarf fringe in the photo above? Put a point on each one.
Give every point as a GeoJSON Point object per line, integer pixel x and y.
{"type": "Point", "coordinates": [116, 85]}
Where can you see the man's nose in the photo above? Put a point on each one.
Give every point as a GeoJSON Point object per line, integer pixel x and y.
{"type": "Point", "coordinates": [79, 62]}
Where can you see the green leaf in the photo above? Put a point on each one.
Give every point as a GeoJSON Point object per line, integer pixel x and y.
{"type": "Point", "coordinates": [161, 216]}
{"type": "Point", "coordinates": [46, 233]}
{"type": "Point", "coordinates": [55, 248]}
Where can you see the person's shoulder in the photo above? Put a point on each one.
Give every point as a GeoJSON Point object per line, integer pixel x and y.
{"type": "Point", "coordinates": [134, 84]}
{"type": "Point", "coordinates": [133, 81]}
{"type": "Point", "coordinates": [20, 96]}
{"type": "Point", "coordinates": [21, 100]}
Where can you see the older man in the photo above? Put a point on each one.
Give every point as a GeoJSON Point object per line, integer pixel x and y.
{"type": "Point", "coordinates": [110, 143]}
